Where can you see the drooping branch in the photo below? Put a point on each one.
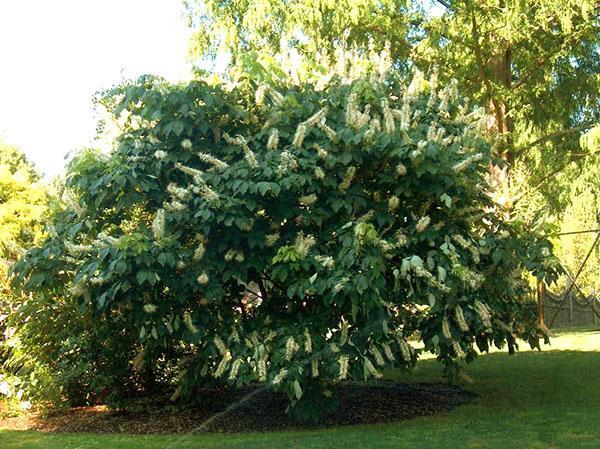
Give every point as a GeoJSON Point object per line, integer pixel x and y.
{"type": "Point", "coordinates": [543, 60]}
{"type": "Point", "coordinates": [556, 134]}
{"type": "Point", "coordinates": [546, 178]}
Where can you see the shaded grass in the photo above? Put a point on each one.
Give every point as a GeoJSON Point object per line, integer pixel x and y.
{"type": "Point", "coordinates": [532, 400]}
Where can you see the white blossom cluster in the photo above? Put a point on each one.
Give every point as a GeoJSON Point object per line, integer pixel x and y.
{"type": "Point", "coordinates": [379, 360]}
{"type": "Point", "coordinates": [199, 251]}
{"type": "Point", "coordinates": [265, 90]}
{"type": "Point", "coordinates": [304, 243]}
{"type": "Point", "coordinates": [273, 141]}
{"type": "Point", "coordinates": [158, 225]}
{"type": "Point", "coordinates": [210, 159]}
{"type": "Point", "coordinates": [200, 185]}
{"type": "Point", "coordinates": [325, 261]}
{"type": "Point", "coordinates": [178, 193]}
{"type": "Point", "coordinates": [287, 163]}
{"type": "Point", "coordinates": [348, 178]}
{"type": "Point", "coordinates": [405, 350]}
{"type": "Point", "coordinates": [189, 323]}
{"type": "Point", "coordinates": [150, 308]}
{"type": "Point", "coordinates": [354, 117]}
{"type": "Point", "coordinates": [308, 200]}
{"type": "Point", "coordinates": [75, 249]}
{"type": "Point", "coordinates": [271, 239]}
{"type": "Point", "coordinates": [343, 361]}
{"type": "Point", "coordinates": [186, 144]}
{"type": "Point", "coordinates": [460, 166]}
{"type": "Point", "coordinates": [290, 348]}
{"type": "Point", "coordinates": [393, 203]}
{"type": "Point", "coordinates": [241, 142]}
{"type": "Point", "coordinates": [203, 278]}
{"type": "Point", "coordinates": [314, 366]}
{"type": "Point", "coordinates": [73, 203]}
{"type": "Point", "coordinates": [321, 152]}
{"type": "Point", "coordinates": [235, 368]}
{"type": "Point", "coordinates": [422, 223]}
{"type": "Point", "coordinates": [472, 279]}
{"type": "Point", "coordinates": [460, 319]}
{"type": "Point", "coordinates": [387, 350]}
{"type": "Point", "coordinates": [160, 154]}
{"type": "Point", "coordinates": [280, 376]}
{"type": "Point", "coordinates": [308, 346]}
{"type": "Point", "coordinates": [370, 370]}
{"type": "Point", "coordinates": [484, 313]}
{"type": "Point", "coordinates": [234, 254]}
{"type": "Point", "coordinates": [433, 84]}
{"type": "Point", "coordinates": [460, 240]}
{"type": "Point", "coordinates": [339, 286]}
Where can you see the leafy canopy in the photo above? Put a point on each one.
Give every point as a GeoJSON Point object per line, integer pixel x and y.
{"type": "Point", "coordinates": [293, 236]}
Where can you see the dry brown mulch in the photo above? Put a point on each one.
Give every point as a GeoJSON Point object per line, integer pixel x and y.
{"type": "Point", "coordinates": [261, 410]}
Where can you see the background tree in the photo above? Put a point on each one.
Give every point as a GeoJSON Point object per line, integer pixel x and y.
{"type": "Point", "coordinates": [23, 202]}
{"type": "Point", "coordinates": [310, 30]}
{"type": "Point", "coordinates": [533, 64]}
{"type": "Point", "coordinates": [23, 206]}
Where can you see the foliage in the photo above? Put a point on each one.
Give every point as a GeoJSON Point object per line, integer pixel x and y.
{"type": "Point", "coordinates": [22, 209]}
{"type": "Point", "coordinates": [533, 65]}
{"type": "Point", "coordinates": [23, 203]}
{"type": "Point", "coordinates": [294, 237]}
{"type": "Point", "coordinates": [583, 214]}
{"type": "Point", "coordinates": [64, 356]}
{"type": "Point", "coordinates": [309, 31]}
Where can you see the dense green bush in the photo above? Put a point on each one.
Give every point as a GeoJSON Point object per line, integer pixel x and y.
{"type": "Point", "coordinates": [292, 236]}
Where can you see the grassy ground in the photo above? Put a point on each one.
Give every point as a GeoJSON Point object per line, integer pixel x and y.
{"type": "Point", "coordinates": [548, 400]}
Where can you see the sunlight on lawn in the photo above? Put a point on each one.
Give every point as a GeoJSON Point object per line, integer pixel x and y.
{"type": "Point", "coordinates": [587, 339]}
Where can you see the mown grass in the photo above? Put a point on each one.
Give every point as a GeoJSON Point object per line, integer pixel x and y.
{"type": "Point", "coordinates": [531, 400]}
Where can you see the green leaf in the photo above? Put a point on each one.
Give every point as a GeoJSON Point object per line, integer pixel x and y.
{"type": "Point", "coordinates": [263, 187]}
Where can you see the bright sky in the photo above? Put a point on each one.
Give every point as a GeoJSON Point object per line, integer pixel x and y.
{"type": "Point", "coordinates": [54, 55]}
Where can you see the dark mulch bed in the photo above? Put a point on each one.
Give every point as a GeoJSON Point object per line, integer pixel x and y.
{"type": "Point", "coordinates": [254, 410]}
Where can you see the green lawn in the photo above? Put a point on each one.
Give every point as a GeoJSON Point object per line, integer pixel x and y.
{"type": "Point", "coordinates": [528, 401]}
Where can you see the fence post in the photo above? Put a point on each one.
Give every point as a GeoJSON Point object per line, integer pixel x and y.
{"type": "Point", "coordinates": [594, 299]}
{"type": "Point", "coordinates": [540, 291]}
{"type": "Point", "coordinates": [570, 292]}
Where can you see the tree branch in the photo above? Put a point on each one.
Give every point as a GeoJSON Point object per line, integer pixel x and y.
{"type": "Point", "coordinates": [572, 40]}
{"type": "Point", "coordinates": [546, 178]}
{"type": "Point", "coordinates": [556, 134]}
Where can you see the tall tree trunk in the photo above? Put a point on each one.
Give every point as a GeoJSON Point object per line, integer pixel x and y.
{"type": "Point", "coordinates": [499, 68]}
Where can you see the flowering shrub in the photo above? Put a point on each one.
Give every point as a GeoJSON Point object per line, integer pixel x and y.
{"type": "Point", "coordinates": [295, 237]}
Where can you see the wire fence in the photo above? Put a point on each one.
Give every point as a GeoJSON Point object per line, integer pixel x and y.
{"type": "Point", "coordinates": [571, 308]}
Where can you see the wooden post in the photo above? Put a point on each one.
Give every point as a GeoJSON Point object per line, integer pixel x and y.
{"type": "Point", "coordinates": [594, 299]}
{"type": "Point", "coordinates": [570, 304]}
{"type": "Point", "coordinates": [540, 290]}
